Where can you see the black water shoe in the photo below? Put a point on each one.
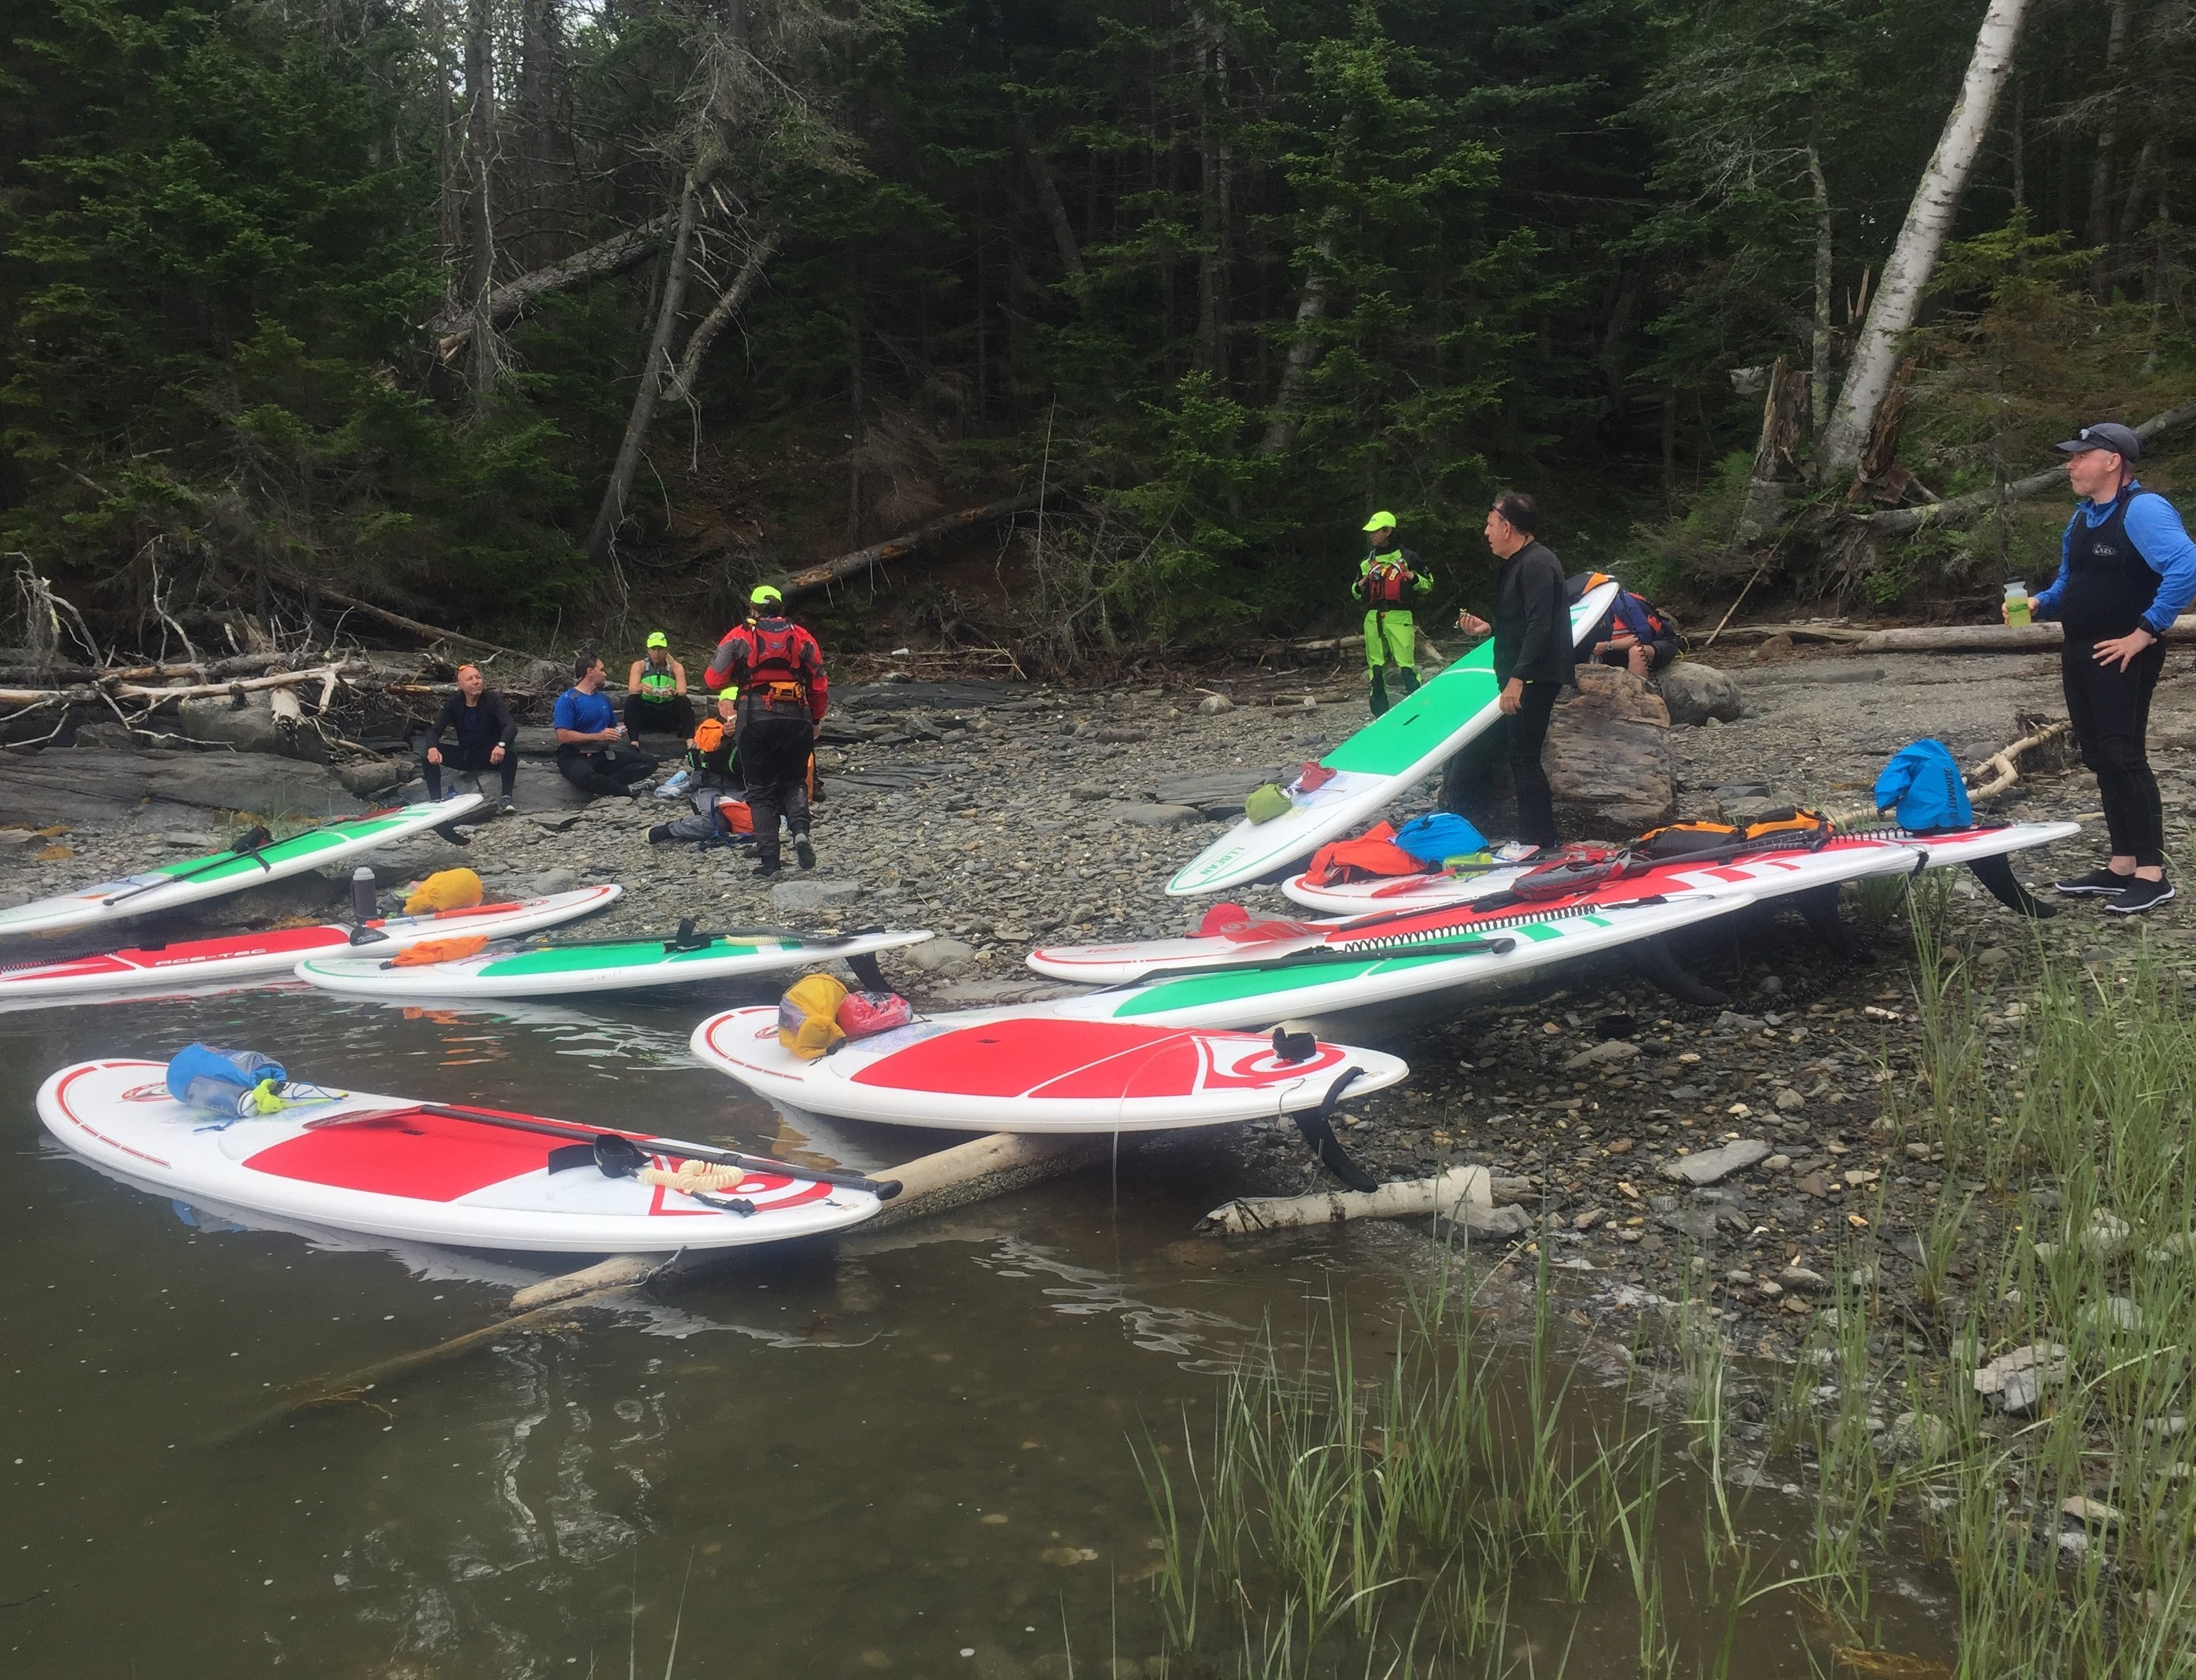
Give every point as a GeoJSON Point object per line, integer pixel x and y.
{"type": "Point", "coordinates": [2096, 883]}
{"type": "Point", "coordinates": [2140, 897]}
{"type": "Point", "coordinates": [804, 853]}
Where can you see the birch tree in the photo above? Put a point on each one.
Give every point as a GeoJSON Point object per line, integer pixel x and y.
{"type": "Point", "coordinates": [1928, 223]}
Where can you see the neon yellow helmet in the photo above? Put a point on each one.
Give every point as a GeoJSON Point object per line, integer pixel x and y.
{"type": "Point", "coordinates": [765, 595]}
{"type": "Point", "coordinates": [656, 638]}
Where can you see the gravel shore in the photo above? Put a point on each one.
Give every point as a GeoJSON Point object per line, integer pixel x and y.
{"type": "Point", "coordinates": [997, 815]}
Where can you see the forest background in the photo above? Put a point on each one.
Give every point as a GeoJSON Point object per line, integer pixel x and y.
{"type": "Point", "coordinates": [539, 317]}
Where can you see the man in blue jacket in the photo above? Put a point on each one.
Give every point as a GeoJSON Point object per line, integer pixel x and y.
{"type": "Point", "coordinates": [2126, 571]}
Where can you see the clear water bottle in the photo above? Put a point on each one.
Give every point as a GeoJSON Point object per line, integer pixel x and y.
{"type": "Point", "coordinates": [675, 784]}
{"type": "Point", "coordinates": [2018, 607]}
{"type": "Point", "coordinates": [224, 1098]}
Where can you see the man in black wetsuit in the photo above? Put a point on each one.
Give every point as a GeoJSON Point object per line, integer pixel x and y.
{"type": "Point", "coordinates": [486, 736]}
{"type": "Point", "coordinates": [1533, 659]}
{"type": "Point", "coordinates": [2126, 571]}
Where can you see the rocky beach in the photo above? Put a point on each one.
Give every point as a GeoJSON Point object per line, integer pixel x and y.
{"type": "Point", "coordinates": [1741, 1153]}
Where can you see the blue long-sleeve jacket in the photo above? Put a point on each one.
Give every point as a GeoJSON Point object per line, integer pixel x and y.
{"type": "Point", "coordinates": [2153, 526]}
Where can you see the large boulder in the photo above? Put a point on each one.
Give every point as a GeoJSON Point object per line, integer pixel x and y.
{"type": "Point", "coordinates": [248, 723]}
{"type": "Point", "coordinates": [1695, 693]}
{"type": "Point", "coordinates": [163, 787]}
{"type": "Point", "coordinates": [1608, 757]}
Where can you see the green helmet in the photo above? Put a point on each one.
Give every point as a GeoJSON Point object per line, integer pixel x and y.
{"type": "Point", "coordinates": [765, 595]}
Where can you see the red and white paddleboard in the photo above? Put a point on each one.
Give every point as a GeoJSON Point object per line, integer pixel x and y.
{"type": "Point", "coordinates": [386, 1167]}
{"type": "Point", "coordinates": [233, 957]}
{"type": "Point", "coordinates": [1437, 887]}
{"type": "Point", "coordinates": [999, 1072]}
{"type": "Point", "coordinates": [1252, 942]}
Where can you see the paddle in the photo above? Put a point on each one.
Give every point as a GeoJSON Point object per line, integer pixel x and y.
{"type": "Point", "coordinates": [250, 844]}
{"type": "Point", "coordinates": [1302, 959]}
{"type": "Point", "coordinates": [590, 1141]}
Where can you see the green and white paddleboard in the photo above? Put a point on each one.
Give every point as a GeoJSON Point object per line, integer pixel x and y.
{"type": "Point", "coordinates": [1371, 767]}
{"type": "Point", "coordinates": [214, 874]}
{"type": "Point", "coordinates": [1357, 975]}
{"type": "Point", "coordinates": [546, 971]}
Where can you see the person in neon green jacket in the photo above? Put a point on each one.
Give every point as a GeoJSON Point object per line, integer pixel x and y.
{"type": "Point", "coordinates": [1388, 579]}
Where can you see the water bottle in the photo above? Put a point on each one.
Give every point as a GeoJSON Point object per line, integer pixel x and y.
{"type": "Point", "coordinates": [676, 784]}
{"type": "Point", "coordinates": [2017, 604]}
{"type": "Point", "coordinates": [361, 895]}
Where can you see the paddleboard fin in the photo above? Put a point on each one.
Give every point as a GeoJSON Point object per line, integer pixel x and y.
{"type": "Point", "coordinates": [1818, 908]}
{"type": "Point", "coordinates": [1318, 1131]}
{"type": "Point", "coordinates": [864, 965]}
{"type": "Point", "coordinates": [1996, 874]}
{"type": "Point", "coordinates": [1661, 968]}
{"type": "Point", "coordinates": [367, 936]}
{"type": "Point", "coordinates": [686, 940]}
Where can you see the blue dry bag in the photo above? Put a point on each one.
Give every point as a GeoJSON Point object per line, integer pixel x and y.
{"type": "Point", "coordinates": [1441, 834]}
{"type": "Point", "coordinates": [223, 1082]}
{"type": "Point", "coordinates": [1923, 781]}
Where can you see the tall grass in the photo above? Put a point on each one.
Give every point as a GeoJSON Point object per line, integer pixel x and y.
{"type": "Point", "coordinates": [1423, 1516]}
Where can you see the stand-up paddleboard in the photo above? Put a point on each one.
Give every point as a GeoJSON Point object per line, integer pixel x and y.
{"type": "Point", "coordinates": [1763, 877]}
{"type": "Point", "coordinates": [1437, 888]}
{"type": "Point", "coordinates": [1372, 766]}
{"type": "Point", "coordinates": [243, 957]}
{"type": "Point", "coordinates": [392, 1166]}
{"type": "Point", "coordinates": [1376, 969]}
{"type": "Point", "coordinates": [216, 873]}
{"type": "Point", "coordinates": [1002, 1070]}
{"type": "Point", "coordinates": [545, 971]}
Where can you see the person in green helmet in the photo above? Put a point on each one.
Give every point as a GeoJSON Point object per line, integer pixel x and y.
{"type": "Point", "coordinates": [656, 692]}
{"type": "Point", "coordinates": [1389, 579]}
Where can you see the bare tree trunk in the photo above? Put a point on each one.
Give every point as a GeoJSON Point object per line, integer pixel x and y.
{"type": "Point", "coordinates": [1049, 201]}
{"type": "Point", "coordinates": [1216, 166]}
{"type": "Point", "coordinates": [449, 193]}
{"type": "Point", "coordinates": [857, 414]}
{"type": "Point", "coordinates": [538, 33]}
{"type": "Point", "coordinates": [1304, 348]}
{"type": "Point", "coordinates": [602, 540]}
{"type": "Point", "coordinates": [2101, 167]}
{"type": "Point", "coordinates": [480, 151]}
{"type": "Point", "coordinates": [728, 303]}
{"type": "Point", "coordinates": [2020, 142]}
{"type": "Point", "coordinates": [1929, 221]}
{"type": "Point", "coordinates": [1820, 367]}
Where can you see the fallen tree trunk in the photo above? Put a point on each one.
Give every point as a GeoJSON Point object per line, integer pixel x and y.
{"type": "Point", "coordinates": [613, 256]}
{"type": "Point", "coordinates": [896, 548]}
{"type": "Point", "coordinates": [1798, 632]}
{"type": "Point", "coordinates": [1897, 520]}
{"type": "Point", "coordinates": [1990, 637]}
{"type": "Point", "coordinates": [326, 675]}
{"type": "Point", "coordinates": [1449, 1195]}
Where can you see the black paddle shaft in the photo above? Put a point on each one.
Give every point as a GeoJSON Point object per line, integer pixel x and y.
{"type": "Point", "coordinates": [249, 845]}
{"type": "Point", "coordinates": [883, 1189]}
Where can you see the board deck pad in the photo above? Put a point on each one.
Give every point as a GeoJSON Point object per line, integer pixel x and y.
{"type": "Point", "coordinates": [1374, 765]}
{"type": "Point", "coordinates": [1003, 1070]}
{"type": "Point", "coordinates": [242, 958]}
{"type": "Point", "coordinates": [213, 874]}
{"type": "Point", "coordinates": [384, 1167]}
{"type": "Point", "coordinates": [549, 970]}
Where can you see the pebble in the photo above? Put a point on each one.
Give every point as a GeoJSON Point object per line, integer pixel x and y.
{"type": "Point", "coordinates": [1713, 1165]}
{"type": "Point", "coordinates": [797, 896]}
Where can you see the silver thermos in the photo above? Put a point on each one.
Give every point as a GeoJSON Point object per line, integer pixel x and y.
{"type": "Point", "coordinates": [362, 906]}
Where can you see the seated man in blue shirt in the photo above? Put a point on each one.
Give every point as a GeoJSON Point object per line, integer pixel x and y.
{"type": "Point", "coordinates": [2126, 571]}
{"type": "Point", "coordinates": [590, 746]}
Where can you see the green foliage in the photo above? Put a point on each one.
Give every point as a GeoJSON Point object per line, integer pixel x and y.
{"type": "Point", "coordinates": [216, 261]}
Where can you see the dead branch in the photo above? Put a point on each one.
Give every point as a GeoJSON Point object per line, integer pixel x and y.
{"type": "Point", "coordinates": [428, 633]}
{"type": "Point", "coordinates": [2001, 766]}
{"type": "Point", "coordinates": [1897, 522]}
{"type": "Point", "coordinates": [613, 256]}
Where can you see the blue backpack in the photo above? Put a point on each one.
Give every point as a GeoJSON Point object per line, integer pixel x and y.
{"type": "Point", "coordinates": [1441, 835]}
{"type": "Point", "coordinates": [1923, 781]}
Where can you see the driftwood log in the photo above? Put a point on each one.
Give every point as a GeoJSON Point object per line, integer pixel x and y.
{"type": "Point", "coordinates": [1989, 638]}
{"type": "Point", "coordinates": [1450, 1195]}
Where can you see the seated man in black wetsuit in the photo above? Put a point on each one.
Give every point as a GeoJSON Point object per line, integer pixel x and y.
{"type": "Point", "coordinates": [485, 736]}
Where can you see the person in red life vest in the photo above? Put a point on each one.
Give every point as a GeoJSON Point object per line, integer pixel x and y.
{"type": "Point", "coordinates": [1634, 634]}
{"type": "Point", "coordinates": [778, 670]}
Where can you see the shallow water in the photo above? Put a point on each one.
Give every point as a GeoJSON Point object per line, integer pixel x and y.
{"type": "Point", "coordinates": [909, 1452]}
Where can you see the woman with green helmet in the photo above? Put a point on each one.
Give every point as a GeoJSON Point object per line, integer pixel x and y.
{"type": "Point", "coordinates": [656, 692]}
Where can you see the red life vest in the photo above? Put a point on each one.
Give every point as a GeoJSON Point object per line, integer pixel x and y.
{"type": "Point", "coordinates": [1384, 586]}
{"type": "Point", "coordinates": [778, 656]}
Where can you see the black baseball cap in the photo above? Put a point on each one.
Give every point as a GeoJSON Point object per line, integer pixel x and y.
{"type": "Point", "coordinates": [2119, 439]}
